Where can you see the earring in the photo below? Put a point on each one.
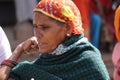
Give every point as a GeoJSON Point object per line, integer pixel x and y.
{"type": "Point", "coordinates": [68, 35]}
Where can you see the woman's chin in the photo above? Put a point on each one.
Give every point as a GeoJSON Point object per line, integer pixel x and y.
{"type": "Point", "coordinates": [45, 51]}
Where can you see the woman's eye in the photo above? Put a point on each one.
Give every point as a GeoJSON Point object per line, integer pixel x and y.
{"type": "Point", "coordinates": [45, 27]}
{"type": "Point", "coordinates": [42, 27]}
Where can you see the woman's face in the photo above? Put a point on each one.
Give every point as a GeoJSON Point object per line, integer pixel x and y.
{"type": "Point", "coordinates": [49, 33]}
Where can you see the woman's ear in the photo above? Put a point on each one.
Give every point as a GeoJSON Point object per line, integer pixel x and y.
{"type": "Point", "coordinates": [68, 30]}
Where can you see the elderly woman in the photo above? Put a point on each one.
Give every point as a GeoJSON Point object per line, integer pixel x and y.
{"type": "Point", "coordinates": [65, 52]}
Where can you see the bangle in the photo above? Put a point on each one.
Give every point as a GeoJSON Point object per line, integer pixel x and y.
{"type": "Point", "coordinates": [9, 63]}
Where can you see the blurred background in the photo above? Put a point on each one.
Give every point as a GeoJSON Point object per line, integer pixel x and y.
{"type": "Point", "coordinates": [16, 20]}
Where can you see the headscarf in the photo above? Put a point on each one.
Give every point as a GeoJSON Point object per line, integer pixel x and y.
{"type": "Point", "coordinates": [117, 23]}
{"type": "Point", "coordinates": [62, 10]}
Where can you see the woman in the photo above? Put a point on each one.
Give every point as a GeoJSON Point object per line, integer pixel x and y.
{"type": "Point", "coordinates": [65, 52]}
{"type": "Point", "coordinates": [5, 49]}
{"type": "Point", "coordinates": [116, 50]}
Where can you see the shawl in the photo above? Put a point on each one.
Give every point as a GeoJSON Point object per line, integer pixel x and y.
{"type": "Point", "coordinates": [117, 23]}
{"type": "Point", "coordinates": [82, 62]}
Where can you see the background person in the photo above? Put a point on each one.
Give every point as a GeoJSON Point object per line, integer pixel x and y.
{"type": "Point", "coordinates": [90, 19]}
{"type": "Point", "coordinates": [116, 50]}
{"type": "Point", "coordinates": [5, 49]}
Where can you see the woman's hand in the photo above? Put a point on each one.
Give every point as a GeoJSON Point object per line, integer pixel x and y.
{"type": "Point", "coordinates": [25, 47]}
{"type": "Point", "coordinates": [30, 46]}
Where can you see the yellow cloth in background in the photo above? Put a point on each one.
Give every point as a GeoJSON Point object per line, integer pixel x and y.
{"type": "Point", "coordinates": [117, 23]}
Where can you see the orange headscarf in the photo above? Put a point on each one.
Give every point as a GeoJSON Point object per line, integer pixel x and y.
{"type": "Point", "coordinates": [117, 23]}
{"type": "Point", "coordinates": [62, 10]}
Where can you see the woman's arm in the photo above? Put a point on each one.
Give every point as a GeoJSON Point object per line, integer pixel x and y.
{"type": "Point", "coordinates": [20, 49]}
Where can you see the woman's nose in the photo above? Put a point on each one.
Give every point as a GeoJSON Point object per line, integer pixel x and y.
{"type": "Point", "coordinates": [38, 32]}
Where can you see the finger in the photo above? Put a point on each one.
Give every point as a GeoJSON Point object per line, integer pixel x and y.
{"type": "Point", "coordinates": [30, 42]}
{"type": "Point", "coordinates": [34, 41]}
{"type": "Point", "coordinates": [31, 45]}
{"type": "Point", "coordinates": [26, 45]}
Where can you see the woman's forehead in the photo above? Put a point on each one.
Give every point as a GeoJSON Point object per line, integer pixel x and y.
{"type": "Point", "coordinates": [42, 17]}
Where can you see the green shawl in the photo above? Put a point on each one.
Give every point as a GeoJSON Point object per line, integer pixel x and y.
{"type": "Point", "coordinates": [82, 62]}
